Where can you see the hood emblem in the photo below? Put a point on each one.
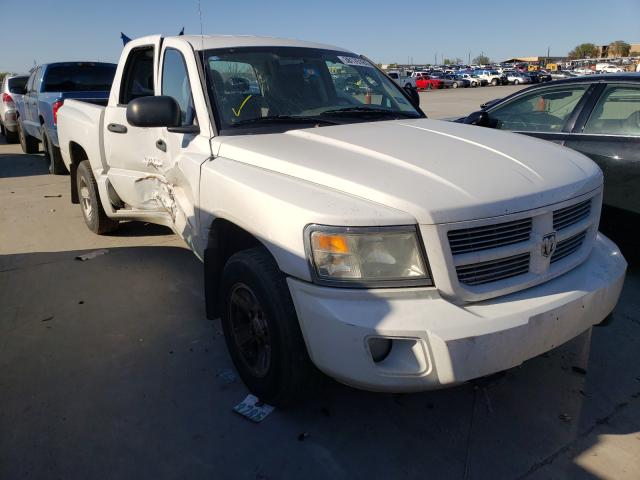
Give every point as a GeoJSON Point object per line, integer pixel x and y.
{"type": "Point", "coordinates": [549, 244]}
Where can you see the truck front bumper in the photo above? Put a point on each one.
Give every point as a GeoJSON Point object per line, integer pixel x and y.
{"type": "Point", "coordinates": [434, 342]}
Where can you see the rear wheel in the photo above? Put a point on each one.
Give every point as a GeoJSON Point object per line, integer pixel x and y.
{"type": "Point", "coordinates": [92, 211]}
{"type": "Point", "coordinates": [261, 329]}
{"type": "Point", "coordinates": [494, 82]}
{"type": "Point", "coordinates": [28, 143]}
{"type": "Point", "coordinates": [53, 155]}
{"type": "Point", "coordinates": [11, 137]}
{"type": "Point", "coordinates": [454, 85]}
{"type": "Point", "coordinates": [516, 82]}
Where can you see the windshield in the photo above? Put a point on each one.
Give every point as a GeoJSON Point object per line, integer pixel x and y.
{"type": "Point", "coordinates": [260, 86]}
{"type": "Point", "coordinates": [79, 77]}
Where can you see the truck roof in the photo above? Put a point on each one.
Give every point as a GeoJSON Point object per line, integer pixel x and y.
{"type": "Point", "coordinates": [226, 41]}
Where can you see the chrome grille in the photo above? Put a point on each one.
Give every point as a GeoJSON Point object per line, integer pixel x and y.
{"type": "Point", "coordinates": [568, 246]}
{"type": "Point", "coordinates": [490, 236]}
{"type": "Point", "coordinates": [565, 217]}
{"type": "Point", "coordinates": [485, 272]}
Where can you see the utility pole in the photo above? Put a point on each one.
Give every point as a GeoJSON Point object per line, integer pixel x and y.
{"type": "Point", "coordinates": [435, 58]}
{"type": "Point", "coordinates": [469, 61]}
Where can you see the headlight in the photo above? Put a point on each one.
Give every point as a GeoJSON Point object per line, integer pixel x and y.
{"type": "Point", "coordinates": [367, 256]}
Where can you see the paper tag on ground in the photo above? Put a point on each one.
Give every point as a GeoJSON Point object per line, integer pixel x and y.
{"type": "Point", "coordinates": [253, 409]}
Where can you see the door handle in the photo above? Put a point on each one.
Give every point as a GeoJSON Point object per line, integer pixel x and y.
{"type": "Point", "coordinates": [161, 145]}
{"type": "Point", "coordinates": [116, 128]}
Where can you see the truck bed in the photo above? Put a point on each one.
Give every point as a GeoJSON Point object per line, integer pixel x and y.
{"type": "Point", "coordinates": [80, 123]}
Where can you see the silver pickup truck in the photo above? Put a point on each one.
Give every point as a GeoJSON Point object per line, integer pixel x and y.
{"type": "Point", "coordinates": [339, 227]}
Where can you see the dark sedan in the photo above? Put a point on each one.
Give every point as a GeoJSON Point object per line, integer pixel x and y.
{"type": "Point", "coordinates": [538, 77]}
{"type": "Point", "coordinates": [598, 115]}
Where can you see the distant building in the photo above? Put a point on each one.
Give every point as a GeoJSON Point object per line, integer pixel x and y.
{"type": "Point", "coordinates": [603, 50]}
{"type": "Point", "coordinates": [534, 60]}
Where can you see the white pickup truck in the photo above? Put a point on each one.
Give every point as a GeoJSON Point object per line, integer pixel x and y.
{"type": "Point", "coordinates": [341, 228]}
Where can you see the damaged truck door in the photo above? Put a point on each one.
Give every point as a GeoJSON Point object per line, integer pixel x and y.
{"type": "Point", "coordinates": [156, 168]}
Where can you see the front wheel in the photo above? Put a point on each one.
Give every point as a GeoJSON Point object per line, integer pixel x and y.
{"type": "Point", "coordinates": [454, 85]}
{"type": "Point", "coordinates": [261, 329]}
{"type": "Point", "coordinates": [516, 82]}
{"type": "Point", "coordinates": [92, 211]}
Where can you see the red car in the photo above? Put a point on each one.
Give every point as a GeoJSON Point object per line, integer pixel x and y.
{"type": "Point", "coordinates": [428, 83]}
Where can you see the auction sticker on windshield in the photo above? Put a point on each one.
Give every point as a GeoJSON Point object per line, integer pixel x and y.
{"type": "Point", "coordinates": [355, 61]}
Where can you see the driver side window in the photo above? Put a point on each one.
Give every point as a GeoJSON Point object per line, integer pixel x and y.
{"type": "Point", "coordinates": [539, 111]}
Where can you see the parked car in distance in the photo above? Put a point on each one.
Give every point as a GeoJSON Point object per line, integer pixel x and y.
{"type": "Point", "coordinates": [444, 79]}
{"type": "Point", "coordinates": [458, 80]}
{"type": "Point", "coordinates": [401, 79]}
{"type": "Point", "coordinates": [474, 80]}
{"type": "Point", "coordinates": [612, 69]}
{"type": "Point", "coordinates": [12, 86]}
{"type": "Point", "coordinates": [537, 77]}
{"type": "Point", "coordinates": [428, 83]}
{"type": "Point", "coordinates": [516, 78]}
{"type": "Point", "coordinates": [47, 88]}
{"type": "Point", "coordinates": [597, 115]}
{"type": "Point", "coordinates": [345, 230]}
{"type": "Point", "coordinates": [492, 77]}
{"type": "Point", "coordinates": [562, 74]}
{"type": "Point", "coordinates": [584, 71]}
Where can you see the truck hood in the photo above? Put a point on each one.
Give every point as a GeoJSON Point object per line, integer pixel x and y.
{"type": "Point", "coordinates": [437, 171]}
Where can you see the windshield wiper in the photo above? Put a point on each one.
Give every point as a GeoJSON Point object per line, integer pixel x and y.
{"type": "Point", "coordinates": [367, 110]}
{"type": "Point", "coordinates": [283, 119]}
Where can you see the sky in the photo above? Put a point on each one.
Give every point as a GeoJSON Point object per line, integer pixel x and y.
{"type": "Point", "coordinates": [385, 31]}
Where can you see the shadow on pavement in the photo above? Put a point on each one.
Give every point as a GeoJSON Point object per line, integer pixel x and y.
{"type": "Point", "coordinates": [109, 369]}
{"type": "Point", "coordinates": [22, 165]}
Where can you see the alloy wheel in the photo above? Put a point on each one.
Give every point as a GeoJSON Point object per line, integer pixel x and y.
{"type": "Point", "coordinates": [250, 330]}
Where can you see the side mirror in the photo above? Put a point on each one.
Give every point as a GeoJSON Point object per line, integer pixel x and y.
{"type": "Point", "coordinates": [480, 118]}
{"type": "Point", "coordinates": [154, 111]}
{"type": "Point", "coordinates": [414, 96]}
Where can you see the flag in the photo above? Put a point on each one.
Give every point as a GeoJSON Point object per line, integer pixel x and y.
{"type": "Point", "coordinates": [124, 38]}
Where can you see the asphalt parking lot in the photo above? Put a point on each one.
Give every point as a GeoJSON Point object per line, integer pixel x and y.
{"type": "Point", "coordinates": [109, 369]}
{"type": "Point", "coordinates": [449, 103]}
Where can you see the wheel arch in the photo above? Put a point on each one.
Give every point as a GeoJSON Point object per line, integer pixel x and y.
{"type": "Point", "coordinates": [77, 154]}
{"type": "Point", "coordinates": [225, 239]}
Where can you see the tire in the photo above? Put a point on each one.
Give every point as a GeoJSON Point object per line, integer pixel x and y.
{"type": "Point", "coordinates": [94, 216]}
{"type": "Point", "coordinates": [27, 142]}
{"type": "Point", "coordinates": [11, 137]}
{"type": "Point", "coordinates": [272, 361]}
{"type": "Point", "coordinates": [53, 156]}
{"type": "Point", "coordinates": [494, 82]}
{"type": "Point", "coordinates": [454, 85]}
{"type": "Point", "coordinates": [516, 82]}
